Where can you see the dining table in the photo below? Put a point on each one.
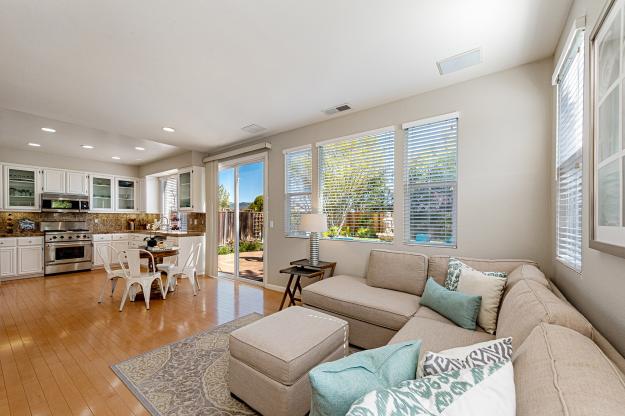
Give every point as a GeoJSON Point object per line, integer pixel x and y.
{"type": "Point", "coordinates": [159, 254]}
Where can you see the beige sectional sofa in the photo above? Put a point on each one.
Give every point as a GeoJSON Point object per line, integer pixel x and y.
{"type": "Point", "coordinates": [557, 357]}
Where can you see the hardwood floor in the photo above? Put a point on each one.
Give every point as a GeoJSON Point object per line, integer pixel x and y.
{"type": "Point", "coordinates": [57, 343]}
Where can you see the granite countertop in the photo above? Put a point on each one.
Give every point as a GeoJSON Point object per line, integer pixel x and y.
{"type": "Point", "coordinates": [22, 234]}
{"type": "Point", "coordinates": [163, 233]}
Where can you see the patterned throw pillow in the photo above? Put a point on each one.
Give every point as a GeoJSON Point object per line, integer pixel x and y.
{"type": "Point", "coordinates": [485, 390]}
{"type": "Point", "coordinates": [489, 352]}
{"type": "Point", "coordinates": [454, 268]}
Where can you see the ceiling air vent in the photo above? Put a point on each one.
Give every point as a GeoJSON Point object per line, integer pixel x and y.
{"type": "Point", "coordinates": [460, 61]}
{"type": "Point", "coordinates": [253, 129]}
{"type": "Point", "coordinates": [337, 109]}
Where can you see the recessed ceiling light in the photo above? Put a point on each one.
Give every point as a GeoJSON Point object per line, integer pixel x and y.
{"type": "Point", "coordinates": [48, 129]}
{"type": "Point", "coordinates": [138, 159]}
{"type": "Point", "coordinates": [116, 157]}
{"type": "Point", "coordinates": [169, 129]}
{"type": "Point", "coordinates": [87, 146]}
{"type": "Point", "coordinates": [34, 144]}
{"type": "Point", "coordinates": [139, 148]}
{"type": "Point", "coordinates": [253, 128]}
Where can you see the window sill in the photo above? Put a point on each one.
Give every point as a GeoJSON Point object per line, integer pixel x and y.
{"type": "Point", "coordinates": [455, 246]}
{"type": "Point", "coordinates": [568, 266]}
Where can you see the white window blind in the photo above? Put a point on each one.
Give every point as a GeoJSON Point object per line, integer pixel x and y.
{"type": "Point", "coordinates": [569, 156]}
{"type": "Point", "coordinates": [298, 184]}
{"type": "Point", "coordinates": [169, 187]}
{"type": "Point", "coordinates": [356, 177]}
{"type": "Point", "coordinates": [431, 175]}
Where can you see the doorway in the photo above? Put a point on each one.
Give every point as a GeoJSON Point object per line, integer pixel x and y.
{"type": "Point", "coordinates": [241, 219]}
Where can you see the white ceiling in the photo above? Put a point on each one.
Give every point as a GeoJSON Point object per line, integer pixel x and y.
{"type": "Point", "coordinates": [17, 129]}
{"type": "Point", "coordinates": [210, 67]}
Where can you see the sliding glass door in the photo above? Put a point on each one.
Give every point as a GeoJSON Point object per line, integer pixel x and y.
{"type": "Point", "coordinates": [241, 219]}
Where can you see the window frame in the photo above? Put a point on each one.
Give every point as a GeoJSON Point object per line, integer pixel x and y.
{"type": "Point", "coordinates": [406, 225]}
{"type": "Point", "coordinates": [287, 216]}
{"type": "Point", "coordinates": [319, 190]}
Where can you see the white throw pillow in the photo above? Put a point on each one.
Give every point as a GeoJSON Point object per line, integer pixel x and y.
{"type": "Point", "coordinates": [490, 288]}
{"type": "Point", "coordinates": [478, 391]}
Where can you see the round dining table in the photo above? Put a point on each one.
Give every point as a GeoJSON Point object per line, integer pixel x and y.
{"type": "Point", "coordinates": [159, 254]}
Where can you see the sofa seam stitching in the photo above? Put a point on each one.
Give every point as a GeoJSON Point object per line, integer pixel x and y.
{"type": "Point", "coordinates": [554, 370]}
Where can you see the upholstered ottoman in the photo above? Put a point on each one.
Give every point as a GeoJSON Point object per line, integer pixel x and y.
{"type": "Point", "coordinates": [270, 358]}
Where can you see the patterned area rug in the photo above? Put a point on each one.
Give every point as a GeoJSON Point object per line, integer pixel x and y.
{"type": "Point", "coordinates": [187, 377]}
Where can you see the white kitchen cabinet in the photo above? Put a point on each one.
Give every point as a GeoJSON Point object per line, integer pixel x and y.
{"type": "Point", "coordinates": [186, 245]}
{"type": "Point", "coordinates": [30, 259]}
{"type": "Point", "coordinates": [53, 180]}
{"type": "Point", "coordinates": [101, 249]}
{"type": "Point", "coordinates": [8, 261]}
{"type": "Point", "coordinates": [22, 187]}
{"type": "Point", "coordinates": [76, 183]}
{"type": "Point", "coordinates": [102, 193]}
{"type": "Point", "coordinates": [126, 194]}
{"type": "Point", "coordinates": [191, 189]}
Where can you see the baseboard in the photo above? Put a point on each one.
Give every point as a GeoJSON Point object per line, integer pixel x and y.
{"type": "Point", "coordinates": [275, 288]}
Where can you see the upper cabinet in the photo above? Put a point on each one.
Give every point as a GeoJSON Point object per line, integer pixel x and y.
{"type": "Point", "coordinates": [76, 183]}
{"type": "Point", "coordinates": [65, 182]}
{"type": "Point", "coordinates": [126, 191]}
{"type": "Point", "coordinates": [191, 189]}
{"type": "Point", "coordinates": [54, 181]}
{"type": "Point", "coordinates": [21, 188]}
{"type": "Point", "coordinates": [102, 193]}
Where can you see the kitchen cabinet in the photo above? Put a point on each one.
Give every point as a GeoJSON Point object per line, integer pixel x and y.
{"type": "Point", "coordinates": [8, 257]}
{"type": "Point", "coordinates": [191, 189]}
{"type": "Point", "coordinates": [126, 194]}
{"type": "Point", "coordinates": [102, 193]}
{"type": "Point", "coordinates": [101, 249]}
{"type": "Point", "coordinates": [22, 186]}
{"type": "Point", "coordinates": [76, 183]}
{"type": "Point", "coordinates": [54, 180]}
{"type": "Point", "coordinates": [186, 245]}
{"type": "Point", "coordinates": [30, 260]}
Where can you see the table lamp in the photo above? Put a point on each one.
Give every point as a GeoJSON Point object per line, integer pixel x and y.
{"type": "Point", "coordinates": [314, 224]}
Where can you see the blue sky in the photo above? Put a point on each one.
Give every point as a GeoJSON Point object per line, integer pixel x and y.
{"type": "Point", "coordinates": [250, 181]}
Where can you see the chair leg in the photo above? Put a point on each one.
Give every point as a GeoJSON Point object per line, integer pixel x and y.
{"type": "Point", "coordinates": [171, 281]}
{"type": "Point", "coordinates": [147, 288]}
{"type": "Point", "coordinates": [160, 286]}
{"type": "Point", "coordinates": [191, 278]}
{"type": "Point", "coordinates": [124, 296]}
{"type": "Point", "coordinates": [102, 290]}
{"type": "Point", "coordinates": [113, 285]}
{"type": "Point", "coordinates": [197, 281]}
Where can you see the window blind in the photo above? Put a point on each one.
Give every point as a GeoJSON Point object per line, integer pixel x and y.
{"type": "Point", "coordinates": [298, 184]}
{"type": "Point", "coordinates": [169, 186]}
{"type": "Point", "coordinates": [570, 89]}
{"type": "Point", "coordinates": [431, 174]}
{"type": "Point", "coordinates": [356, 177]}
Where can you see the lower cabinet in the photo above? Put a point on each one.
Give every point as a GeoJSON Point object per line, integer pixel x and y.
{"type": "Point", "coordinates": [21, 257]}
{"type": "Point", "coordinates": [186, 246]}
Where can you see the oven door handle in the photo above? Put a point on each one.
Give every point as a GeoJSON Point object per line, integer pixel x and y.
{"type": "Point", "coordinates": [68, 243]}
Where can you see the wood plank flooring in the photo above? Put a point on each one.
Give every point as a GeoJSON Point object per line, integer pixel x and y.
{"type": "Point", "coordinates": [57, 343]}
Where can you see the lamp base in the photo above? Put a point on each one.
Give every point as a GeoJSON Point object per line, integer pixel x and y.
{"type": "Point", "coordinates": [314, 249]}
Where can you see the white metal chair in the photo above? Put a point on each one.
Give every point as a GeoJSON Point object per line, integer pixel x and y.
{"type": "Point", "coordinates": [111, 275]}
{"type": "Point", "coordinates": [130, 261]}
{"type": "Point", "coordinates": [188, 270]}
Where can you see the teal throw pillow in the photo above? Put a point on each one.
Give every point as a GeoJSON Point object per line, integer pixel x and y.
{"type": "Point", "coordinates": [337, 384]}
{"type": "Point", "coordinates": [458, 307]}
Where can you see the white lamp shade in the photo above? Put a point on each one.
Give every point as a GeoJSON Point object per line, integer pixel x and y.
{"type": "Point", "coordinates": [314, 223]}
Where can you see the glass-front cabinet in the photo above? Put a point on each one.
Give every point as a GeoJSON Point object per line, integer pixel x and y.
{"type": "Point", "coordinates": [102, 193]}
{"type": "Point", "coordinates": [21, 188]}
{"type": "Point", "coordinates": [126, 189]}
{"type": "Point", "coordinates": [185, 201]}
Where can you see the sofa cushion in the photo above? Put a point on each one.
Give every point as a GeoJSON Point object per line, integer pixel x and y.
{"type": "Point", "coordinates": [559, 372]}
{"type": "Point", "coordinates": [397, 270]}
{"type": "Point", "coordinates": [438, 265]}
{"type": "Point", "coordinates": [526, 272]}
{"type": "Point", "coordinates": [459, 307]}
{"type": "Point", "coordinates": [528, 304]}
{"type": "Point", "coordinates": [437, 336]}
{"type": "Point", "coordinates": [352, 297]}
{"type": "Point", "coordinates": [490, 288]}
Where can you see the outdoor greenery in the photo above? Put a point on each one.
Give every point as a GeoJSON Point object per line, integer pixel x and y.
{"type": "Point", "coordinates": [257, 205]}
{"type": "Point", "coordinates": [224, 197]}
{"type": "Point", "coordinates": [244, 246]}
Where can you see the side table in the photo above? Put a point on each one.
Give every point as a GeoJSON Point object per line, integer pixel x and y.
{"type": "Point", "coordinates": [301, 268]}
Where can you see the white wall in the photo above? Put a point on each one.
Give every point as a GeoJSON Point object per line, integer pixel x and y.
{"type": "Point", "coordinates": [41, 159]}
{"type": "Point", "coordinates": [599, 291]}
{"type": "Point", "coordinates": [504, 170]}
{"type": "Point", "coordinates": [182, 160]}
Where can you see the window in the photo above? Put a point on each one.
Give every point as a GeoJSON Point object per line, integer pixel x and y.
{"type": "Point", "coordinates": [298, 187]}
{"type": "Point", "coordinates": [356, 177]}
{"type": "Point", "coordinates": [169, 204]}
{"type": "Point", "coordinates": [570, 88]}
{"type": "Point", "coordinates": [430, 177]}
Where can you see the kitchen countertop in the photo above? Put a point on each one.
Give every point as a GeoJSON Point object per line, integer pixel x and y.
{"type": "Point", "coordinates": [162, 233]}
{"type": "Point", "coordinates": [22, 234]}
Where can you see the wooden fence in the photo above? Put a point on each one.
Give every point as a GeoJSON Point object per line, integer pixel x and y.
{"type": "Point", "coordinates": [250, 226]}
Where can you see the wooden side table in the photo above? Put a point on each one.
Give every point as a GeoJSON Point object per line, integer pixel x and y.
{"type": "Point", "coordinates": [301, 268]}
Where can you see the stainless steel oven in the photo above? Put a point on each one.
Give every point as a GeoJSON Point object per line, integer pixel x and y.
{"type": "Point", "coordinates": [68, 246]}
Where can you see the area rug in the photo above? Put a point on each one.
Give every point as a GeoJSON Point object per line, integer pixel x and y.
{"type": "Point", "coordinates": [187, 377]}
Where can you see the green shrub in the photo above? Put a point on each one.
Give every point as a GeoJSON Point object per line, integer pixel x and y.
{"type": "Point", "coordinates": [221, 250]}
{"type": "Point", "coordinates": [250, 245]}
{"type": "Point", "coordinates": [363, 232]}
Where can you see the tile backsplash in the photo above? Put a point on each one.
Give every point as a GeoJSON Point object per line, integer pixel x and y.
{"type": "Point", "coordinates": [96, 222]}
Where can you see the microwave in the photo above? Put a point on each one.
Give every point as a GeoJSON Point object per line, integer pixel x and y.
{"type": "Point", "coordinates": [64, 203]}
